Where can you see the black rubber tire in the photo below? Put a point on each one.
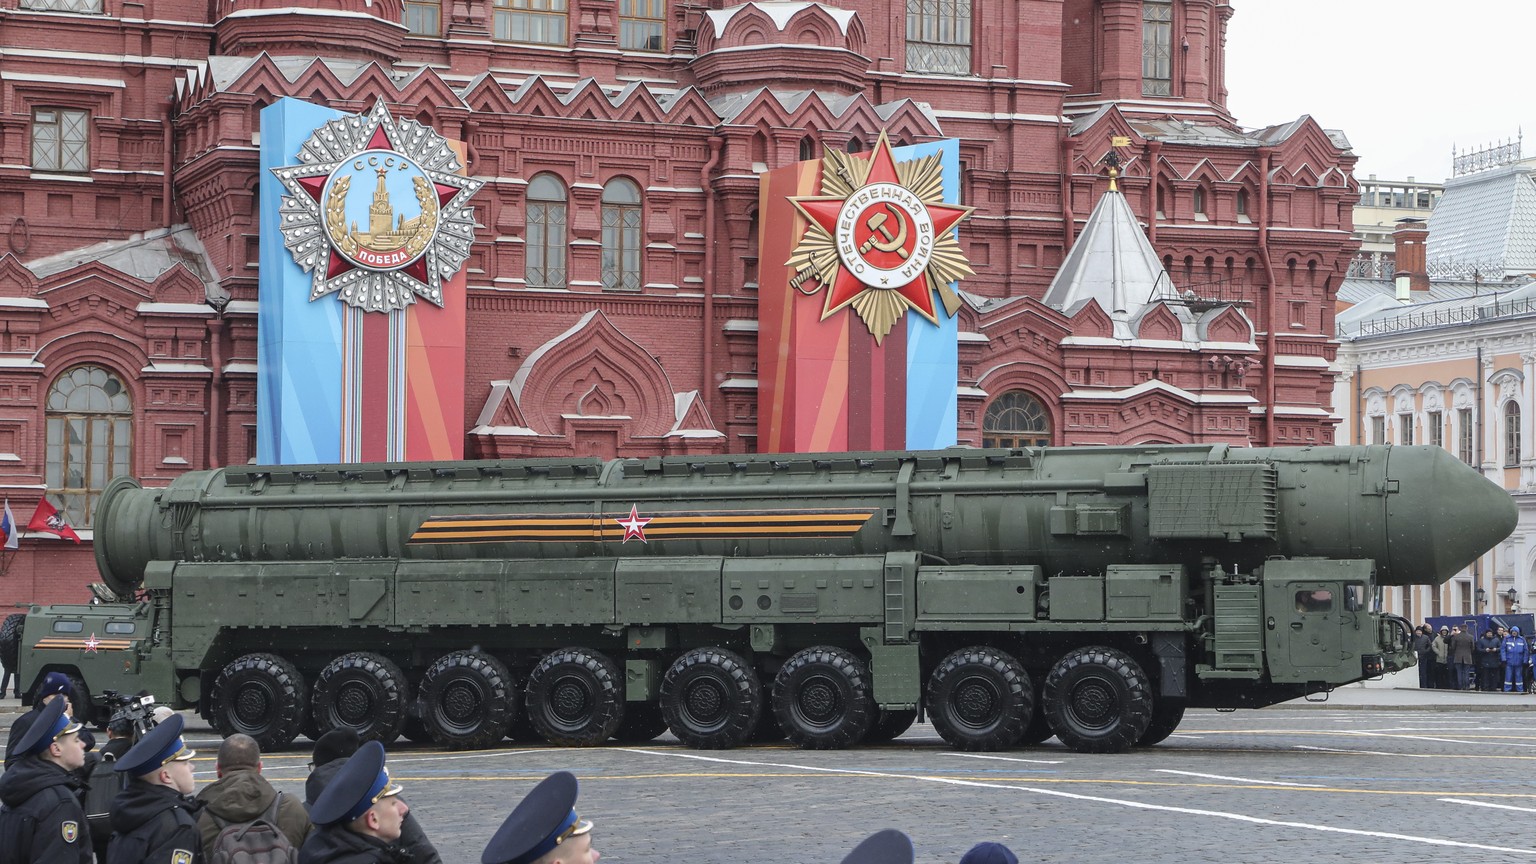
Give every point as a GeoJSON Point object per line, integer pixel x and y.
{"type": "Point", "coordinates": [362, 691]}
{"type": "Point", "coordinates": [575, 697]}
{"type": "Point", "coordinates": [980, 699]}
{"type": "Point", "coordinates": [890, 725]}
{"type": "Point", "coordinates": [522, 730]}
{"type": "Point", "coordinates": [1098, 700]}
{"type": "Point", "coordinates": [642, 723]}
{"type": "Point", "coordinates": [1039, 729]}
{"type": "Point", "coordinates": [10, 640]}
{"type": "Point", "coordinates": [1166, 717]}
{"type": "Point", "coordinates": [467, 700]}
{"type": "Point", "coordinates": [260, 695]}
{"type": "Point", "coordinates": [711, 699]}
{"type": "Point", "coordinates": [822, 698]}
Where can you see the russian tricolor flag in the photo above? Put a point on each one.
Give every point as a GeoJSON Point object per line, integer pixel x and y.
{"type": "Point", "coordinates": [8, 528]}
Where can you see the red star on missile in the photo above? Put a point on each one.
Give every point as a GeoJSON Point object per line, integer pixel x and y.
{"type": "Point", "coordinates": [824, 212]}
{"type": "Point", "coordinates": [634, 526]}
{"type": "Point", "coordinates": [91, 643]}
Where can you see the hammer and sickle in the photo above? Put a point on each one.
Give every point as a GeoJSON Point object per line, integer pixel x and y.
{"type": "Point", "coordinates": [893, 242]}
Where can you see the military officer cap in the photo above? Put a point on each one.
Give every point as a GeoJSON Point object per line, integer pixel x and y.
{"type": "Point", "coordinates": [882, 847]}
{"type": "Point", "coordinates": [160, 745]}
{"type": "Point", "coordinates": [54, 683]}
{"type": "Point", "coordinates": [48, 728]}
{"type": "Point", "coordinates": [545, 818]}
{"type": "Point", "coordinates": [360, 784]}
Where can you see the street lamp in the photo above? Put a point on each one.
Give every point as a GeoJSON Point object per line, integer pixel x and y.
{"type": "Point", "coordinates": [1482, 596]}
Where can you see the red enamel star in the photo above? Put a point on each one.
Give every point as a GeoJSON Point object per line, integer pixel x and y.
{"type": "Point", "coordinates": [829, 212]}
{"type": "Point", "coordinates": [91, 643]}
{"type": "Point", "coordinates": [634, 526]}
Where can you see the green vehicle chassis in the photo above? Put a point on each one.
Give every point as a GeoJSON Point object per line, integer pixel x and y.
{"type": "Point", "coordinates": [1087, 593]}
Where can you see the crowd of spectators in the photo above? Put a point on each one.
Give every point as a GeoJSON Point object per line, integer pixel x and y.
{"type": "Point", "coordinates": [1456, 659]}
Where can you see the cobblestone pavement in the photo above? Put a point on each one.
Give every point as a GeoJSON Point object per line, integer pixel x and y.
{"type": "Point", "coordinates": [1320, 784]}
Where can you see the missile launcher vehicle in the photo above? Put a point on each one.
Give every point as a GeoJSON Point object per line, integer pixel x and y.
{"type": "Point", "coordinates": [1090, 593]}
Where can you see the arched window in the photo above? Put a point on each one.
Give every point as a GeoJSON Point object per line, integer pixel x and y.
{"type": "Point", "coordinates": [1242, 203]}
{"type": "Point", "coordinates": [621, 235]}
{"type": "Point", "coordinates": [1200, 202]}
{"type": "Point", "coordinates": [939, 36]}
{"type": "Point", "coordinates": [1016, 419]}
{"type": "Point", "coordinates": [855, 145]}
{"type": "Point", "coordinates": [1162, 203]}
{"type": "Point", "coordinates": [1511, 434]}
{"type": "Point", "coordinates": [807, 149]}
{"type": "Point", "coordinates": [90, 436]}
{"type": "Point", "coordinates": [546, 232]}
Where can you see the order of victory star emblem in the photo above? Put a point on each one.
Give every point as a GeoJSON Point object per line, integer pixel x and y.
{"type": "Point", "coordinates": [880, 239]}
{"type": "Point", "coordinates": [377, 213]}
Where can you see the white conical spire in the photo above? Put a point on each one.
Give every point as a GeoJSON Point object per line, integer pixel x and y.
{"type": "Point", "coordinates": [1111, 262]}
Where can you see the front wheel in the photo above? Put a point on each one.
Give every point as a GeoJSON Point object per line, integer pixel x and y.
{"type": "Point", "coordinates": [711, 699]}
{"type": "Point", "coordinates": [1099, 700]}
{"type": "Point", "coordinates": [467, 700]}
{"type": "Point", "coordinates": [980, 699]}
{"type": "Point", "coordinates": [260, 695]}
{"type": "Point", "coordinates": [575, 697]}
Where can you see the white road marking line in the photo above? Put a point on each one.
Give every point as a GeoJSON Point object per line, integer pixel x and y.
{"type": "Point", "coordinates": [1191, 737]}
{"type": "Point", "coordinates": [1074, 796]}
{"type": "Point", "coordinates": [1432, 738]}
{"type": "Point", "coordinates": [1006, 758]}
{"type": "Point", "coordinates": [1486, 804]}
{"type": "Point", "coordinates": [1235, 779]}
{"type": "Point", "coordinates": [1362, 752]}
{"type": "Point", "coordinates": [486, 754]}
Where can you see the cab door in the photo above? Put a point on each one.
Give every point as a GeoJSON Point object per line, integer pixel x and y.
{"type": "Point", "coordinates": [1305, 622]}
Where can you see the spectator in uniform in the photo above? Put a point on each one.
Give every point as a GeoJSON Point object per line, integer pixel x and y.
{"type": "Point", "coordinates": [153, 819]}
{"type": "Point", "coordinates": [41, 785]}
{"type": "Point", "coordinates": [358, 816]}
{"type": "Point", "coordinates": [55, 686]}
{"type": "Point", "coordinates": [893, 847]}
{"type": "Point", "coordinates": [989, 853]}
{"type": "Point", "coordinates": [330, 754]}
{"type": "Point", "coordinates": [543, 828]}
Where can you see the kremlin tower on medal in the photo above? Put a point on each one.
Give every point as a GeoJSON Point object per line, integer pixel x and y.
{"type": "Point", "coordinates": [380, 237]}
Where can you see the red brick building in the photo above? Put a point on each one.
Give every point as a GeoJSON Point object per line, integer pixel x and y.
{"type": "Point", "coordinates": [613, 290]}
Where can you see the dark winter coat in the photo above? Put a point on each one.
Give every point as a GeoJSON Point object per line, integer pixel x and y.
{"type": "Point", "coordinates": [24, 722]}
{"type": "Point", "coordinates": [338, 844]}
{"type": "Point", "coordinates": [1488, 652]}
{"type": "Point", "coordinates": [35, 787]}
{"type": "Point", "coordinates": [154, 825]}
{"type": "Point", "coordinates": [413, 840]}
{"type": "Point", "coordinates": [1461, 646]}
{"type": "Point", "coordinates": [241, 795]}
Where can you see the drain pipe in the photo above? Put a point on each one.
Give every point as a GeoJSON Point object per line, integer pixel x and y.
{"type": "Point", "coordinates": [707, 345]}
{"type": "Point", "coordinates": [1270, 345]}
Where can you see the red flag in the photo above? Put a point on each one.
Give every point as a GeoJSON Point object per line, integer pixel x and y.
{"type": "Point", "coordinates": [47, 520]}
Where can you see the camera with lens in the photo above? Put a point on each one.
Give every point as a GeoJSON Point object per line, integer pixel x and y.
{"type": "Point", "coordinates": [131, 716]}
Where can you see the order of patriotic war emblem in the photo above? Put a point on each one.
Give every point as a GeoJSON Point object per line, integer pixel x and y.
{"type": "Point", "coordinates": [377, 213]}
{"type": "Point", "coordinates": [880, 238]}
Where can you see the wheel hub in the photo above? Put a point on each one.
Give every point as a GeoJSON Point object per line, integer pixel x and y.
{"type": "Point", "coordinates": [354, 704]}
{"type": "Point", "coordinates": [570, 700]}
{"type": "Point", "coordinates": [1093, 703]}
{"type": "Point", "coordinates": [253, 705]}
{"type": "Point", "coordinates": [705, 702]}
{"type": "Point", "coordinates": [976, 702]}
{"type": "Point", "coordinates": [819, 702]}
{"type": "Point", "coordinates": [461, 702]}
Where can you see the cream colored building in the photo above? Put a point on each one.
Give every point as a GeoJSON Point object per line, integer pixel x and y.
{"type": "Point", "coordinates": [1382, 203]}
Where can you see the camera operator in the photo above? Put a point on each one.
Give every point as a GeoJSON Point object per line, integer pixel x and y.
{"type": "Point", "coordinates": [132, 717]}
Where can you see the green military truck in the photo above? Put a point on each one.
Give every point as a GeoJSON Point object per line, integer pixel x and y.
{"type": "Point", "coordinates": [1088, 593]}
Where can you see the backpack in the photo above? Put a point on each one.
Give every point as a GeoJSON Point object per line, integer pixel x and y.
{"type": "Point", "coordinates": [102, 787]}
{"type": "Point", "coordinates": [16, 830]}
{"type": "Point", "coordinates": [258, 841]}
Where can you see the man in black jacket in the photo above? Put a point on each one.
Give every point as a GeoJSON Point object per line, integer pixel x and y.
{"type": "Point", "coordinates": [55, 688]}
{"type": "Point", "coordinates": [42, 820]}
{"type": "Point", "coordinates": [153, 820]}
{"type": "Point", "coordinates": [358, 816]}
{"type": "Point", "coordinates": [331, 753]}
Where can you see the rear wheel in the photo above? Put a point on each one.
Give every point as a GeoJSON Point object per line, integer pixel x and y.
{"type": "Point", "coordinates": [575, 697]}
{"type": "Point", "coordinates": [362, 691]}
{"type": "Point", "coordinates": [822, 700]}
{"type": "Point", "coordinates": [980, 698]}
{"type": "Point", "coordinates": [467, 700]}
{"type": "Point", "coordinates": [260, 695]}
{"type": "Point", "coordinates": [711, 699]}
{"type": "Point", "coordinates": [1099, 700]}
{"type": "Point", "coordinates": [10, 640]}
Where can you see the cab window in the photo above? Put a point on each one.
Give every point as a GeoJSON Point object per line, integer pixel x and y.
{"type": "Point", "coordinates": [119, 627]}
{"type": "Point", "coordinates": [68, 626]}
{"type": "Point", "coordinates": [1314, 600]}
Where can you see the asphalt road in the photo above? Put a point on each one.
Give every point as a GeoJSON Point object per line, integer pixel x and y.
{"type": "Point", "coordinates": [1318, 784]}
